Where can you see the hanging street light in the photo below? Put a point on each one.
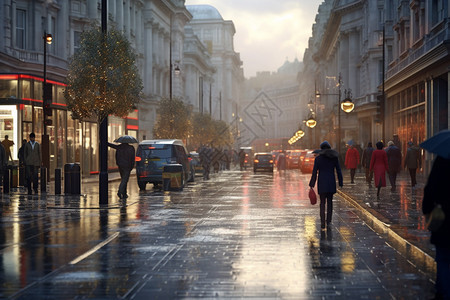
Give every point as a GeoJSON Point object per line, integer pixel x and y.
{"type": "Point", "coordinates": [311, 121]}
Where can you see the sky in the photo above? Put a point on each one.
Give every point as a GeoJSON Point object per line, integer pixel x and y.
{"type": "Point", "coordinates": [267, 31]}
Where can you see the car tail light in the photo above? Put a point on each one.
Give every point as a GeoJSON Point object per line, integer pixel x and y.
{"type": "Point", "coordinates": [137, 158]}
{"type": "Point", "coordinates": [256, 161]}
{"type": "Point", "coordinates": [151, 147]}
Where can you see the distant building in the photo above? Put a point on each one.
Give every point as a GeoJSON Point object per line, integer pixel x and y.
{"type": "Point", "coordinates": [271, 109]}
{"type": "Point", "coordinates": [222, 96]}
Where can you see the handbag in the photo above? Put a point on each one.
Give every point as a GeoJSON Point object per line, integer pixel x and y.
{"type": "Point", "coordinates": [312, 196]}
{"type": "Point", "coordinates": [436, 218]}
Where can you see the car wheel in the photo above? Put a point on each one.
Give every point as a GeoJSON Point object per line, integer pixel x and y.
{"type": "Point", "coordinates": [141, 185]}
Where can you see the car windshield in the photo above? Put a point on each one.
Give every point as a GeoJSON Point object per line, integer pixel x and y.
{"type": "Point", "coordinates": [162, 151]}
{"type": "Point", "coordinates": [266, 156]}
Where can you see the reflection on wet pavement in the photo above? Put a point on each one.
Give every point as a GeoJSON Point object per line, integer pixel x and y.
{"type": "Point", "coordinates": [238, 235]}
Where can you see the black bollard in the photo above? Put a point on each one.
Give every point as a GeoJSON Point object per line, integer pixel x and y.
{"type": "Point", "coordinates": [57, 181]}
{"type": "Point", "coordinates": [43, 180]}
{"type": "Point", "coordinates": [76, 179]}
{"type": "Point", "coordinates": [6, 181]}
{"type": "Point", "coordinates": [67, 178]}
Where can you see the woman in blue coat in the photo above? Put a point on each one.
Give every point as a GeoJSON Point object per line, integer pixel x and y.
{"type": "Point", "coordinates": [325, 163]}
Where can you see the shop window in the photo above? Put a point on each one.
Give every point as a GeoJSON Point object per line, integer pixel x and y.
{"type": "Point", "coordinates": [8, 89]}
{"type": "Point", "coordinates": [27, 113]}
{"type": "Point", "coordinates": [25, 89]}
{"type": "Point", "coordinates": [59, 94]}
{"type": "Point", "coordinates": [38, 90]}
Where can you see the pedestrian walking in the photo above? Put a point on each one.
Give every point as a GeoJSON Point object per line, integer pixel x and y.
{"type": "Point", "coordinates": [394, 156]}
{"type": "Point", "coordinates": [281, 162]}
{"type": "Point", "coordinates": [3, 162]}
{"type": "Point", "coordinates": [413, 161]}
{"type": "Point", "coordinates": [435, 196]}
{"type": "Point", "coordinates": [436, 193]}
{"type": "Point", "coordinates": [351, 161]}
{"type": "Point", "coordinates": [242, 159]}
{"type": "Point", "coordinates": [33, 161]}
{"type": "Point", "coordinates": [125, 159]}
{"type": "Point", "coordinates": [326, 163]}
{"type": "Point", "coordinates": [21, 157]}
{"type": "Point", "coordinates": [365, 162]}
{"type": "Point", "coordinates": [205, 160]}
{"type": "Point", "coordinates": [379, 167]}
{"type": "Point", "coordinates": [7, 144]}
{"type": "Point", "coordinates": [396, 141]}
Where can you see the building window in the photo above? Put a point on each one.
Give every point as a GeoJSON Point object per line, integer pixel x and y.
{"type": "Point", "coordinates": [437, 11]}
{"type": "Point", "coordinates": [20, 28]}
{"type": "Point", "coordinates": [76, 41]}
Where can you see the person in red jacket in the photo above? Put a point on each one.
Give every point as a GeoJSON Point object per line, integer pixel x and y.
{"type": "Point", "coordinates": [379, 166]}
{"type": "Point", "coordinates": [351, 161]}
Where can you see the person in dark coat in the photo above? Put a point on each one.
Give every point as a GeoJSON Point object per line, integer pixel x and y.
{"type": "Point", "coordinates": [394, 156]}
{"type": "Point", "coordinates": [413, 161]}
{"type": "Point", "coordinates": [436, 192]}
{"type": "Point", "coordinates": [125, 159]}
{"type": "Point", "coordinates": [3, 162]}
{"type": "Point", "coordinates": [379, 167]}
{"type": "Point", "coordinates": [242, 156]}
{"type": "Point", "coordinates": [325, 163]}
{"type": "Point", "coordinates": [365, 162]}
{"type": "Point", "coordinates": [33, 161]}
{"type": "Point", "coordinates": [281, 162]}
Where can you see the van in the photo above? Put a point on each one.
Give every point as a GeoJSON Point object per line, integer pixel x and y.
{"type": "Point", "coordinates": [153, 155]}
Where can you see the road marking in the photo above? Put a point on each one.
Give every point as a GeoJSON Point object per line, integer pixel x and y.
{"type": "Point", "coordinates": [94, 249]}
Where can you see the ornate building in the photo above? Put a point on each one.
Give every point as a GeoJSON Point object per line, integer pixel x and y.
{"type": "Point", "coordinates": [156, 30]}
{"type": "Point", "coordinates": [222, 96]}
{"type": "Point", "coordinates": [393, 55]}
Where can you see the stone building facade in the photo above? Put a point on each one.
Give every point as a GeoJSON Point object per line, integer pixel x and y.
{"type": "Point", "coordinates": [222, 96]}
{"type": "Point", "coordinates": [393, 55]}
{"type": "Point", "coordinates": [156, 30]}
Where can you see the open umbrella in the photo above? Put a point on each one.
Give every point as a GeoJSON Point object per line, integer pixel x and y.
{"type": "Point", "coordinates": [438, 144]}
{"type": "Point", "coordinates": [126, 139]}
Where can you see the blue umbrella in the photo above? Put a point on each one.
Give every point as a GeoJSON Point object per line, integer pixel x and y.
{"type": "Point", "coordinates": [438, 144]}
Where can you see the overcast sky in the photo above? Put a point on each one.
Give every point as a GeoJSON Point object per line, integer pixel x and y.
{"type": "Point", "coordinates": [267, 31]}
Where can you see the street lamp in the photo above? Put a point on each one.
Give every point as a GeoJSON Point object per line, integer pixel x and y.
{"type": "Point", "coordinates": [347, 106]}
{"type": "Point", "coordinates": [46, 110]}
{"type": "Point", "coordinates": [311, 121]}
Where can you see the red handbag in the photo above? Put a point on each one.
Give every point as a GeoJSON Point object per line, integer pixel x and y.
{"type": "Point", "coordinates": [312, 196]}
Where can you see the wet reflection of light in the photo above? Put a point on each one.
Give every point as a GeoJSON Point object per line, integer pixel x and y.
{"type": "Point", "coordinates": [272, 263]}
{"type": "Point", "coordinates": [348, 261]}
{"type": "Point", "coordinates": [310, 228]}
{"type": "Point", "coordinates": [347, 257]}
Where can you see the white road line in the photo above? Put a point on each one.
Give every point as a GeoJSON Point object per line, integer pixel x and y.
{"type": "Point", "coordinates": [94, 249]}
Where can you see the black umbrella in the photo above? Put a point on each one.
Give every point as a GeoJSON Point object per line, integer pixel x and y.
{"type": "Point", "coordinates": [127, 139]}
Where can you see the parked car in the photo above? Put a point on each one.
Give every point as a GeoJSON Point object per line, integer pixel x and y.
{"type": "Point", "coordinates": [195, 163]}
{"type": "Point", "coordinates": [302, 157]}
{"type": "Point", "coordinates": [293, 159]}
{"type": "Point", "coordinates": [263, 161]}
{"type": "Point", "coordinates": [308, 162]}
{"type": "Point", "coordinates": [153, 155]}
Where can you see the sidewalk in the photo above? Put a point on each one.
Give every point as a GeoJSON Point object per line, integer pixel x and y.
{"type": "Point", "coordinates": [396, 215]}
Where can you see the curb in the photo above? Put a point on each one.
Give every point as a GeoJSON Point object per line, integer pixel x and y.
{"type": "Point", "coordinates": [377, 222]}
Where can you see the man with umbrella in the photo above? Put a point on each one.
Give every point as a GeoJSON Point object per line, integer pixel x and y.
{"type": "Point", "coordinates": [125, 158]}
{"type": "Point", "coordinates": [435, 197]}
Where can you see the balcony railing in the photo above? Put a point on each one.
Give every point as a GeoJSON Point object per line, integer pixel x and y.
{"type": "Point", "coordinates": [429, 43]}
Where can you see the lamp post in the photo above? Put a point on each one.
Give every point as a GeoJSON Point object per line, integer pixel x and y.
{"type": "Point", "coordinates": [46, 109]}
{"type": "Point", "coordinates": [347, 106]}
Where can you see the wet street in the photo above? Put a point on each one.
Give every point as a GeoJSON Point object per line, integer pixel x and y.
{"type": "Point", "coordinates": [238, 235]}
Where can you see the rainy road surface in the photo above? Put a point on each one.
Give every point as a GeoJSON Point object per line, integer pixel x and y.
{"type": "Point", "coordinates": [239, 235]}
